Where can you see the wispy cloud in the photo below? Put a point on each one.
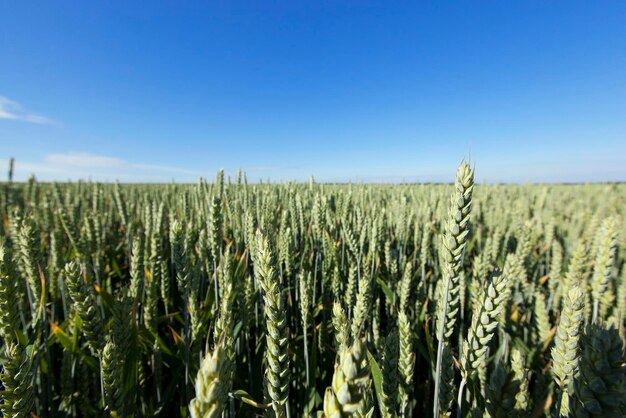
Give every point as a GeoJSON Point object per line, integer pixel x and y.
{"type": "Point", "coordinates": [72, 165]}
{"type": "Point", "coordinates": [275, 167]}
{"type": "Point", "coordinates": [84, 160]}
{"type": "Point", "coordinates": [12, 110]}
{"type": "Point", "coordinates": [388, 179]}
{"type": "Point", "coordinates": [81, 165]}
{"type": "Point", "coordinates": [167, 169]}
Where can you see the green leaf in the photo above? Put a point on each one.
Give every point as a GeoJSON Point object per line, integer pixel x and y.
{"type": "Point", "coordinates": [59, 335]}
{"type": "Point", "coordinates": [377, 375]}
{"type": "Point", "coordinates": [116, 267]}
{"type": "Point", "coordinates": [107, 299]}
{"type": "Point", "coordinates": [21, 337]}
{"type": "Point", "coordinates": [237, 329]}
{"type": "Point", "coordinates": [429, 344]}
{"type": "Point", "coordinates": [244, 397]}
{"type": "Point", "coordinates": [386, 289]}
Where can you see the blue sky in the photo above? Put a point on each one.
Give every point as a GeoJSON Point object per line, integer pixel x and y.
{"type": "Point", "coordinates": [361, 91]}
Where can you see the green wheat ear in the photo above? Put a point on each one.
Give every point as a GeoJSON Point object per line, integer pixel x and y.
{"type": "Point", "coordinates": [340, 325]}
{"type": "Point", "coordinates": [29, 259]}
{"type": "Point", "coordinates": [9, 296]}
{"type": "Point", "coordinates": [455, 237]}
{"type": "Point", "coordinates": [541, 319]}
{"type": "Point", "coordinates": [84, 297]}
{"type": "Point", "coordinates": [111, 378]}
{"type": "Point", "coordinates": [277, 354]}
{"type": "Point", "coordinates": [600, 384]}
{"type": "Point", "coordinates": [17, 379]}
{"type": "Point", "coordinates": [501, 393]}
{"type": "Point", "coordinates": [521, 374]}
{"type": "Point", "coordinates": [211, 385]}
{"type": "Point", "coordinates": [406, 363]}
{"type": "Point", "coordinates": [565, 353]}
{"type": "Point", "coordinates": [576, 268]}
{"type": "Point", "coordinates": [362, 307]}
{"type": "Point", "coordinates": [346, 395]}
{"type": "Point", "coordinates": [119, 343]}
{"type": "Point", "coordinates": [606, 241]}
{"type": "Point", "coordinates": [484, 323]}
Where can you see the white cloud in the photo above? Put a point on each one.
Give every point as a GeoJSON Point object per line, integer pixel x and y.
{"type": "Point", "coordinates": [80, 165]}
{"type": "Point", "coordinates": [12, 110]}
{"type": "Point", "coordinates": [84, 160]}
{"type": "Point", "coordinates": [166, 169]}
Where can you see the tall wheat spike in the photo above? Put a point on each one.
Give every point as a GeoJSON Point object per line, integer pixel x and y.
{"type": "Point", "coordinates": [277, 356]}
{"type": "Point", "coordinates": [455, 237]}
{"type": "Point", "coordinates": [521, 375]}
{"type": "Point", "coordinates": [606, 241]}
{"type": "Point", "coordinates": [406, 363]}
{"type": "Point", "coordinates": [9, 309]}
{"type": "Point", "coordinates": [565, 353]}
{"type": "Point", "coordinates": [484, 323]}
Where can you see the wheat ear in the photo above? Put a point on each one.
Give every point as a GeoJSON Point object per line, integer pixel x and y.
{"type": "Point", "coordinates": [565, 354]}
{"type": "Point", "coordinates": [277, 372]}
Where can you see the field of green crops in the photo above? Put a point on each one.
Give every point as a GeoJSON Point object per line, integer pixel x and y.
{"type": "Point", "coordinates": [225, 299]}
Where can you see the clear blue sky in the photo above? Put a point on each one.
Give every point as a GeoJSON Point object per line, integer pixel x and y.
{"type": "Point", "coordinates": [364, 91]}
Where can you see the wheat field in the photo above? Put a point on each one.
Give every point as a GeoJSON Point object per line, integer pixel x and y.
{"type": "Point", "coordinates": [229, 299]}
